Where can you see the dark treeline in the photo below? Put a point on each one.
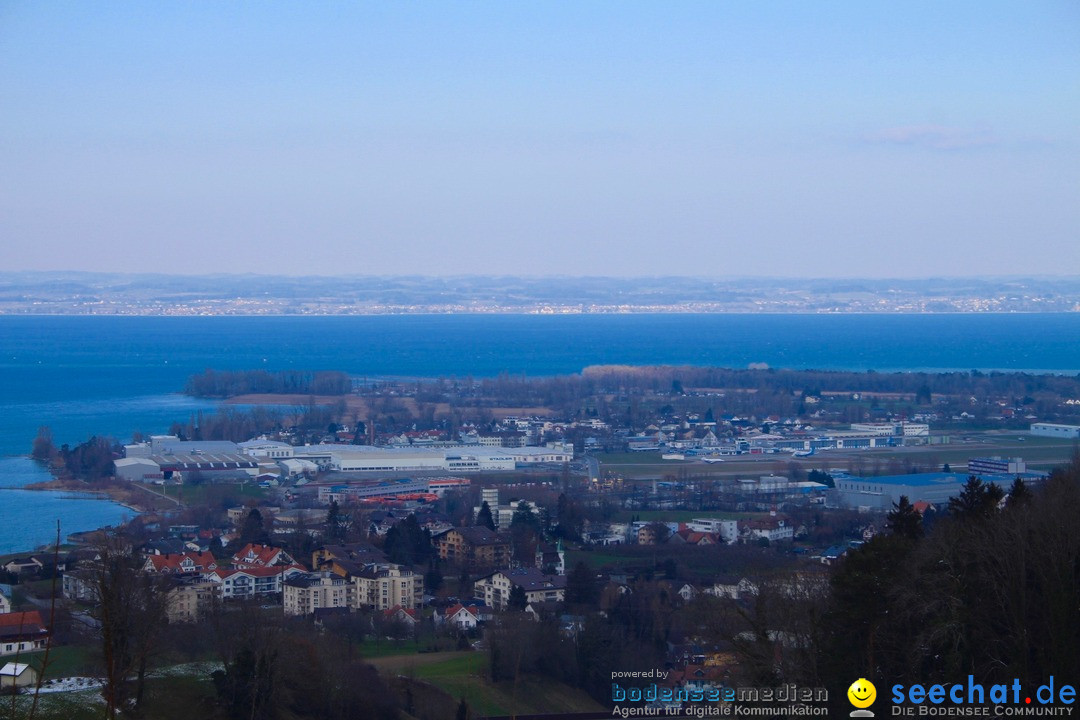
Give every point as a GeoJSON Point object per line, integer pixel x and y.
{"type": "Point", "coordinates": [239, 424]}
{"type": "Point", "coordinates": [90, 461]}
{"type": "Point", "coordinates": [636, 395]}
{"type": "Point", "coordinates": [230, 383]}
{"type": "Point", "coordinates": [986, 591]}
{"type": "Point", "coordinates": [627, 380]}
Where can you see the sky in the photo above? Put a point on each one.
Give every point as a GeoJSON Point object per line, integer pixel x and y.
{"type": "Point", "coordinates": [712, 139]}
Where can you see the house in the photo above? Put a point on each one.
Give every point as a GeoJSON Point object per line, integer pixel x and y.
{"type": "Point", "coordinates": [460, 616]}
{"type": "Point", "coordinates": [22, 632]}
{"type": "Point", "coordinates": [543, 609]}
{"type": "Point", "coordinates": [18, 675]}
{"type": "Point", "coordinates": [773, 528]}
{"type": "Point", "coordinates": [697, 678]}
{"type": "Point", "coordinates": [398, 614]}
{"type": "Point", "coordinates": [165, 546]}
{"type": "Point", "coordinates": [474, 548]}
{"type": "Point", "coordinates": [81, 585]}
{"type": "Point", "coordinates": [834, 553]}
{"type": "Point", "coordinates": [5, 604]}
{"type": "Point", "coordinates": [538, 586]}
{"type": "Point", "coordinates": [687, 592]}
{"type": "Point", "coordinates": [693, 537]}
{"type": "Point", "coordinates": [551, 558]}
{"type": "Point", "coordinates": [732, 587]}
{"type": "Point", "coordinates": [255, 555]}
{"type": "Point", "coordinates": [181, 563]}
{"type": "Point", "coordinates": [346, 558]}
{"type": "Point", "coordinates": [21, 565]}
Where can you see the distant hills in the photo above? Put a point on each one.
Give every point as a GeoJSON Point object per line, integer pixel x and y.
{"type": "Point", "coordinates": [77, 293]}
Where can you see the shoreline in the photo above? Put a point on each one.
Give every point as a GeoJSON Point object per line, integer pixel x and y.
{"type": "Point", "coordinates": [116, 494]}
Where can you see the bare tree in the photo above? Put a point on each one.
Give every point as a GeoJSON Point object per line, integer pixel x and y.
{"type": "Point", "coordinates": [131, 607]}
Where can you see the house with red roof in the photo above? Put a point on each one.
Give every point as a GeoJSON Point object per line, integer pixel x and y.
{"type": "Point", "coordinates": [22, 632]}
{"type": "Point", "coordinates": [181, 563]}
{"type": "Point", "coordinates": [255, 555]}
{"type": "Point", "coordinates": [408, 616]}
{"type": "Point", "coordinates": [461, 616]}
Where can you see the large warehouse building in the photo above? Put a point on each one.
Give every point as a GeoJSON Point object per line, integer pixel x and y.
{"type": "Point", "coordinates": [879, 493]}
{"type": "Point", "coordinates": [1054, 430]}
{"type": "Point", "coordinates": [360, 458]}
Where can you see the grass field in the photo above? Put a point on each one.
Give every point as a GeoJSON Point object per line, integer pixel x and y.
{"type": "Point", "coordinates": [67, 661]}
{"type": "Point", "coordinates": [464, 674]}
{"type": "Point", "coordinates": [207, 493]}
{"type": "Point", "coordinates": [381, 647]}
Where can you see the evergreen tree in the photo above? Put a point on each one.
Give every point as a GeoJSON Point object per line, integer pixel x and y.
{"type": "Point", "coordinates": [904, 520]}
{"type": "Point", "coordinates": [976, 499]}
{"type": "Point", "coordinates": [517, 599]}
{"type": "Point", "coordinates": [581, 585]}
{"type": "Point", "coordinates": [524, 516]}
{"type": "Point", "coordinates": [484, 518]}
{"type": "Point", "coordinates": [1019, 493]}
{"type": "Point", "coordinates": [407, 543]}
{"type": "Point", "coordinates": [335, 527]}
{"type": "Point", "coordinates": [433, 578]}
{"type": "Point", "coordinates": [253, 530]}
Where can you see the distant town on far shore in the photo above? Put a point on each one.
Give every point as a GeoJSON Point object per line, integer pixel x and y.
{"type": "Point", "coordinates": [83, 293]}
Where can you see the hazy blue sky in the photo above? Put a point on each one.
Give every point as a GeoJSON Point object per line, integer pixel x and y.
{"type": "Point", "coordinates": [617, 138]}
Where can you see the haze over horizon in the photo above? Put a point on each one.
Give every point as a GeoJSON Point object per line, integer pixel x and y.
{"type": "Point", "coordinates": [846, 140]}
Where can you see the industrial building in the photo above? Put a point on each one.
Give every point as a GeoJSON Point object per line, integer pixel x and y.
{"type": "Point", "coordinates": [367, 458]}
{"type": "Point", "coordinates": [996, 466]}
{"type": "Point", "coordinates": [879, 493]}
{"type": "Point", "coordinates": [1054, 430]}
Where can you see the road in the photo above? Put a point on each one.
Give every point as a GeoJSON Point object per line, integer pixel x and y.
{"type": "Point", "coordinates": [158, 495]}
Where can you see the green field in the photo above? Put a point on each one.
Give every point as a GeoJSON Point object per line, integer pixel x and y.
{"type": "Point", "coordinates": [464, 675]}
{"type": "Point", "coordinates": [208, 493]}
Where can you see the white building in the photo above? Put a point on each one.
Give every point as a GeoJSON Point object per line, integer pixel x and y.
{"type": "Point", "coordinates": [266, 448]}
{"type": "Point", "coordinates": [904, 429]}
{"type": "Point", "coordinates": [772, 528]}
{"type": "Point", "coordinates": [360, 458]}
{"type": "Point", "coordinates": [726, 529]}
{"type": "Point", "coordinates": [1054, 430]}
{"type": "Point", "coordinates": [252, 582]}
{"type": "Point", "coordinates": [461, 616]}
{"type": "Point", "coordinates": [538, 587]}
{"type": "Point", "coordinates": [996, 466]}
{"type": "Point", "coordinates": [17, 675]}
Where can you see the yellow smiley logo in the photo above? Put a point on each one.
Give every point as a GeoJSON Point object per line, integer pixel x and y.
{"type": "Point", "coordinates": [862, 693]}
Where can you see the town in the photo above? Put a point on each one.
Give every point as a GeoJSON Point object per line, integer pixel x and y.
{"type": "Point", "coordinates": [456, 541]}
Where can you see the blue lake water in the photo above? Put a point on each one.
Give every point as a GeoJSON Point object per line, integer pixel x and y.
{"type": "Point", "coordinates": [115, 375]}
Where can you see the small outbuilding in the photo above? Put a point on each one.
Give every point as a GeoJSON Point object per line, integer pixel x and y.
{"type": "Point", "coordinates": [17, 675]}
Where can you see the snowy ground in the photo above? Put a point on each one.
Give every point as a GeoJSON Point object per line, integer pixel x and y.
{"type": "Point", "coordinates": [69, 684]}
{"type": "Point", "coordinates": [74, 684]}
